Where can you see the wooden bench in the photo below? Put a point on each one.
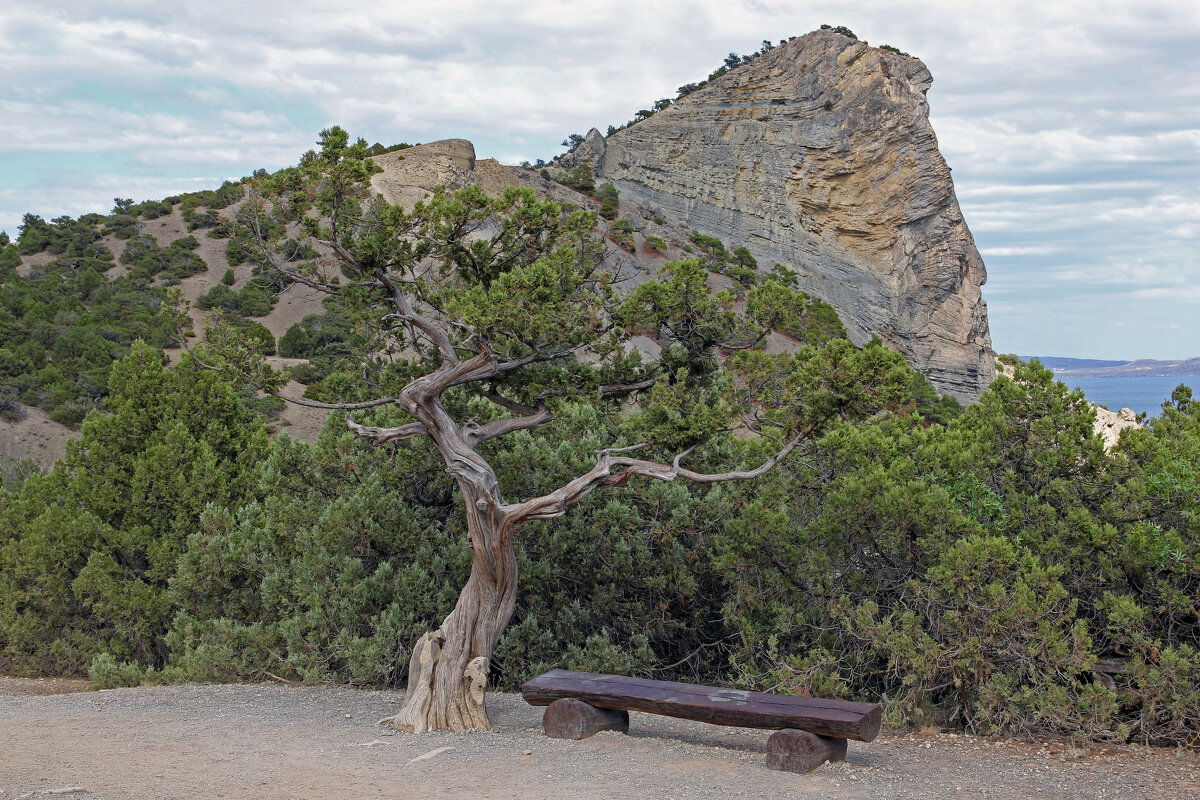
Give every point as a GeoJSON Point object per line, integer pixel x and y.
{"type": "Point", "coordinates": [810, 730]}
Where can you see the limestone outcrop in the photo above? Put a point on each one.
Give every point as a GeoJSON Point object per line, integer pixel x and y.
{"type": "Point", "coordinates": [412, 174]}
{"type": "Point", "coordinates": [591, 150]}
{"type": "Point", "coordinates": [1110, 424]}
{"type": "Point", "coordinates": [819, 155]}
{"type": "Point", "coordinates": [408, 175]}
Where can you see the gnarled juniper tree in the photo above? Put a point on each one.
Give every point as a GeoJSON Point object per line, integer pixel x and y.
{"type": "Point", "coordinates": [507, 302]}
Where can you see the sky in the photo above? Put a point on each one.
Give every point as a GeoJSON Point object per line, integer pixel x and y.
{"type": "Point", "coordinates": [1072, 128]}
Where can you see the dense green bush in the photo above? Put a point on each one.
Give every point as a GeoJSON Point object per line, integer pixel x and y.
{"type": "Point", "coordinates": [147, 260]}
{"type": "Point", "coordinates": [87, 551]}
{"type": "Point", "coordinates": [712, 247]}
{"type": "Point", "coordinates": [14, 472]}
{"type": "Point", "coordinates": [742, 257]}
{"type": "Point", "coordinates": [656, 243]}
{"type": "Point", "coordinates": [621, 232]}
{"type": "Point", "coordinates": [76, 243]}
{"type": "Point", "coordinates": [255, 335]}
{"type": "Point", "coordinates": [978, 574]}
{"type": "Point", "coordinates": [581, 178]}
{"type": "Point", "coordinates": [252, 300]}
{"type": "Point", "coordinates": [10, 259]}
{"type": "Point", "coordinates": [330, 576]}
{"type": "Point", "coordinates": [10, 402]}
{"type": "Point", "coordinates": [318, 335]}
{"type": "Point", "coordinates": [609, 200]}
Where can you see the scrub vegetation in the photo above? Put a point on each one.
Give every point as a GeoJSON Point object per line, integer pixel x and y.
{"type": "Point", "coordinates": [991, 568]}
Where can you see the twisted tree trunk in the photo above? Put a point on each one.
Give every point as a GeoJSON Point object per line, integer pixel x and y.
{"type": "Point", "coordinates": [401, 263]}
{"type": "Point", "coordinates": [449, 667]}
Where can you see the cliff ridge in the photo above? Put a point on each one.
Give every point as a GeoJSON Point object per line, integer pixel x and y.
{"type": "Point", "coordinates": [819, 155]}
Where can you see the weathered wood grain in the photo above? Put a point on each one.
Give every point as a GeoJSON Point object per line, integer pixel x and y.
{"type": "Point", "coordinates": [575, 719]}
{"type": "Point", "coordinates": [802, 751]}
{"type": "Point", "coordinates": [832, 718]}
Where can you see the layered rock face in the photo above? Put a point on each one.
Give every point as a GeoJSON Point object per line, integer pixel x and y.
{"type": "Point", "coordinates": [819, 155]}
{"type": "Point", "coordinates": [412, 174]}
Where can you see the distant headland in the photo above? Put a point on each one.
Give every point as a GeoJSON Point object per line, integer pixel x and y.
{"type": "Point", "coordinates": [1141, 368]}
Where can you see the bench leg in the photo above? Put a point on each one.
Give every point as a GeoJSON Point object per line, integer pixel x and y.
{"type": "Point", "coordinates": [801, 751]}
{"type": "Point", "coordinates": [575, 719]}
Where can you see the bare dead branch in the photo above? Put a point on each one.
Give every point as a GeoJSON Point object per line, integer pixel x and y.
{"type": "Point", "coordinates": [475, 434]}
{"type": "Point", "coordinates": [602, 476]}
{"type": "Point", "coordinates": [661, 472]}
{"type": "Point", "coordinates": [491, 367]}
{"type": "Point", "coordinates": [381, 435]}
{"type": "Point", "coordinates": [409, 315]}
{"type": "Point", "coordinates": [303, 401]}
{"type": "Point", "coordinates": [320, 285]}
{"type": "Point", "coordinates": [509, 405]}
{"type": "Point", "coordinates": [626, 388]}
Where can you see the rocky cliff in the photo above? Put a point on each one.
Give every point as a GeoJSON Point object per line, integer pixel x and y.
{"type": "Point", "coordinates": [819, 155]}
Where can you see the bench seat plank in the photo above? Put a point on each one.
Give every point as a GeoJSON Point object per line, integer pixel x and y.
{"type": "Point", "coordinates": [834, 718]}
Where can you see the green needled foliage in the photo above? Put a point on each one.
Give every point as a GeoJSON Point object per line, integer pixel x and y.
{"type": "Point", "coordinates": [329, 576]}
{"type": "Point", "coordinates": [1002, 573]}
{"type": "Point", "coordinates": [473, 310]}
{"type": "Point", "coordinates": [65, 323]}
{"type": "Point", "coordinates": [89, 549]}
{"type": "Point", "coordinates": [991, 568]}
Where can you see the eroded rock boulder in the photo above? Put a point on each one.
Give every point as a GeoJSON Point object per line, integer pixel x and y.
{"type": "Point", "coordinates": [590, 150]}
{"type": "Point", "coordinates": [1110, 424]}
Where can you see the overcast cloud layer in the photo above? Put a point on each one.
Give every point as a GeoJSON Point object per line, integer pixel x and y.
{"type": "Point", "coordinates": [1073, 128]}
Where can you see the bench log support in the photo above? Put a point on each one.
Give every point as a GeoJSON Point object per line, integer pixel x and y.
{"type": "Point", "coordinates": [802, 751]}
{"type": "Point", "coordinates": [575, 719]}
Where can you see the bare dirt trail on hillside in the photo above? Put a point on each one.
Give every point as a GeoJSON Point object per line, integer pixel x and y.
{"type": "Point", "coordinates": [272, 741]}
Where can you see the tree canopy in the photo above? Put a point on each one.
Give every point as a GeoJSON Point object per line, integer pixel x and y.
{"type": "Point", "coordinates": [482, 313]}
{"type": "Point", "coordinates": [993, 569]}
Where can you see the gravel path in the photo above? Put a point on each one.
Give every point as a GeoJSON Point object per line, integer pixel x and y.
{"type": "Point", "coordinates": [272, 741]}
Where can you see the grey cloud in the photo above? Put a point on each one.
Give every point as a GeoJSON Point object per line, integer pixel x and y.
{"type": "Point", "coordinates": [1073, 132]}
{"type": "Point", "coordinates": [30, 37]}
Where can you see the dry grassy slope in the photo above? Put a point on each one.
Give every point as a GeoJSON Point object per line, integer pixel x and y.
{"type": "Point", "coordinates": [40, 438]}
{"type": "Point", "coordinates": [35, 437]}
{"type": "Point", "coordinates": [404, 180]}
{"type": "Point", "coordinates": [407, 176]}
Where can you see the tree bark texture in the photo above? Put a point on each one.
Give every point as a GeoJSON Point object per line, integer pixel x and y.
{"type": "Point", "coordinates": [575, 719]}
{"type": "Point", "coordinates": [446, 689]}
{"type": "Point", "coordinates": [803, 751]}
{"type": "Point", "coordinates": [457, 676]}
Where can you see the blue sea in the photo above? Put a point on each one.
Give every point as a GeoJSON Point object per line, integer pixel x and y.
{"type": "Point", "coordinates": [1144, 395]}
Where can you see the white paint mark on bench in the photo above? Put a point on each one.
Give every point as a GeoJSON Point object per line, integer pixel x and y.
{"type": "Point", "coordinates": [730, 696]}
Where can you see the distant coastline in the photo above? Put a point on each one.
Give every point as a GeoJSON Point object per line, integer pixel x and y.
{"type": "Point", "coordinates": [1094, 368]}
{"type": "Point", "coordinates": [1142, 385]}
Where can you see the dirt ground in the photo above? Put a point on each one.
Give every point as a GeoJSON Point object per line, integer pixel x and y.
{"type": "Point", "coordinates": [274, 741]}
